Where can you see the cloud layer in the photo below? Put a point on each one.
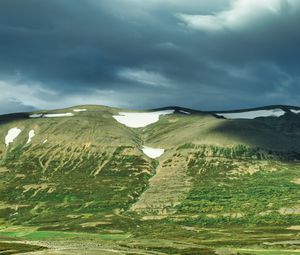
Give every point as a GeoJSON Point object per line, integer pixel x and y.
{"type": "Point", "coordinates": [203, 54]}
{"type": "Point", "coordinates": [244, 14]}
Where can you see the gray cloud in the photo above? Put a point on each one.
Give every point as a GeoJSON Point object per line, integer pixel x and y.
{"type": "Point", "coordinates": [202, 54]}
{"type": "Point", "coordinates": [8, 104]}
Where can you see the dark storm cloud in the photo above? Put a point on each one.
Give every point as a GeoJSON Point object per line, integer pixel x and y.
{"type": "Point", "coordinates": [201, 54]}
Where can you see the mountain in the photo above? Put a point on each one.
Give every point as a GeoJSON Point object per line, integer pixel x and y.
{"type": "Point", "coordinates": [163, 174]}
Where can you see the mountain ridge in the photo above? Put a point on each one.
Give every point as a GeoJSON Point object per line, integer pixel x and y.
{"type": "Point", "coordinates": [266, 107]}
{"type": "Point", "coordinates": [175, 107]}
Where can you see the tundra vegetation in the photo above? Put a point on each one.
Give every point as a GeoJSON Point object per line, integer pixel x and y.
{"type": "Point", "coordinates": [82, 184]}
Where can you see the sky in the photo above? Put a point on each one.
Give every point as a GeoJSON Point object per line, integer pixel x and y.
{"type": "Point", "coordinates": [208, 54]}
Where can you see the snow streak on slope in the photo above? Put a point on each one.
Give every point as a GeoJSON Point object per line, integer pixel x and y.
{"type": "Point", "coordinates": [295, 111]}
{"type": "Point", "coordinates": [152, 152]}
{"type": "Point", "coordinates": [184, 112]}
{"type": "Point", "coordinates": [79, 110]}
{"type": "Point", "coordinates": [52, 115]}
{"type": "Point", "coordinates": [139, 119]}
{"type": "Point", "coordinates": [253, 114]}
{"type": "Point", "coordinates": [31, 134]}
{"type": "Point", "coordinates": [12, 135]}
{"type": "Point", "coordinates": [36, 116]}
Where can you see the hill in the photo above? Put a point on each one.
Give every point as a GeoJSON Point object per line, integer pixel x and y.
{"type": "Point", "coordinates": [163, 174]}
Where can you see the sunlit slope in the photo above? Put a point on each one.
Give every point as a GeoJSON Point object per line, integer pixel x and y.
{"type": "Point", "coordinates": [274, 133]}
{"type": "Point", "coordinates": [95, 126]}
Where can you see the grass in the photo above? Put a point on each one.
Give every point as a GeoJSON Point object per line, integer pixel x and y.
{"type": "Point", "coordinates": [267, 252]}
{"type": "Point", "coordinates": [17, 248]}
{"type": "Point", "coordinates": [56, 235]}
{"type": "Point", "coordinates": [206, 241]}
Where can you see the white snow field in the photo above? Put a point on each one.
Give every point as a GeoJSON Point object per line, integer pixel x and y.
{"type": "Point", "coordinates": [12, 135]}
{"type": "Point", "coordinates": [140, 119]}
{"type": "Point", "coordinates": [52, 115]}
{"type": "Point", "coordinates": [295, 111]}
{"type": "Point", "coordinates": [253, 114]}
{"type": "Point", "coordinates": [79, 110]}
{"type": "Point", "coordinates": [31, 134]}
{"type": "Point", "coordinates": [152, 152]}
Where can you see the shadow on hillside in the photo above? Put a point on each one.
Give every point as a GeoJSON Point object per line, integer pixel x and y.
{"type": "Point", "coordinates": [269, 133]}
{"type": "Point", "coordinates": [6, 118]}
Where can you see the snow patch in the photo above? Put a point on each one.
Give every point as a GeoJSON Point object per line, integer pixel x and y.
{"type": "Point", "coordinates": [184, 112]}
{"type": "Point", "coordinates": [253, 114]}
{"type": "Point", "coordinates": [52, 115]}
{"type": "Point", "coordinates": [152, 152]}
{"type": "Point", "coordinates": [55, 115]}
{"type": "Point", "coordinates": [79, 110]}
{"type": "Point", "coordinates": [295, 111]}
{"type": "Point", "coordinates": [31, 134]}
{"type": "Point", "coordinates": [139, 119]}
{"type": "Point", "coordinates": [12, 135]}
{"type": "Point", "coordinates": [35, 115]}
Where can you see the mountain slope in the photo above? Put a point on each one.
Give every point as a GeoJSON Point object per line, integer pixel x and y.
{"type": "Point", "coordinates": [85, 171]}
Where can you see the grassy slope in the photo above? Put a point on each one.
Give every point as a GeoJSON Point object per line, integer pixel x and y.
{"type": "Point", "coordinates": [89, 167]}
